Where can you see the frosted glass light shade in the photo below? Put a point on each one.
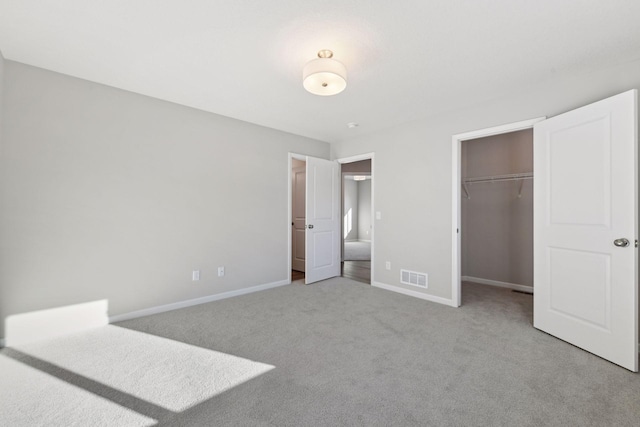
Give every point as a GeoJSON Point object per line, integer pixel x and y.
{"type": "Point", "coordinates": [324, 76]}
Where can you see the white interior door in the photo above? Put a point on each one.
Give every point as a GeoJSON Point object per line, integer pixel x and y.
{"type": "Point", "coordinates": [585, 211]}
{"type": "Point", "coordinates": [298, 220]}
{"type": "Point", "coordinates": [323, 220]}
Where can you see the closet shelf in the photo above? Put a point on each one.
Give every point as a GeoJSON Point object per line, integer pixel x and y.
{"type": "Point", "coordinates": [497, 178]}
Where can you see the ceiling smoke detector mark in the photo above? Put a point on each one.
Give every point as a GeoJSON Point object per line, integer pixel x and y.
{"type": "Point", "coordinates": [352, 125]}
{"type": "Point", "coordinates": [414, 278]}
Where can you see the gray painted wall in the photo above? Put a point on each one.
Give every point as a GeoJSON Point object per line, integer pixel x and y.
{"type": "Point", "coordinates": [3, 290]}
{"type": "Point", "coordinates": [413, 190]}
{"type": "Point", "coordinates": [497, 225]}
{"type": "Point", "coordinates": [110, 194]}
{"type": "Point", "coordinates": [1, 90]}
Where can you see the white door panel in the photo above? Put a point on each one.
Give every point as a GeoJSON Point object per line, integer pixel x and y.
{"type": "Point", "coordinates": [585, 197]}
{"type": "Point", "coordinates": [593, 272]}
{"type": "Point", "coordinates": [588, 179]}
{"type": "Point", "coordinates": [323, 220]}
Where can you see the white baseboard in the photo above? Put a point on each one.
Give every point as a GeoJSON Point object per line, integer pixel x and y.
{"type": "Point", "coordinates": [415, 294]}
{"type": "Point", "coordinates": [497, 283]}
{"type": "Point", "coordinates": [195, 301]}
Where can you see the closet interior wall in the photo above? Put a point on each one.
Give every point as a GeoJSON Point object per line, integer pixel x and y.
{"type": "Point", "coordinates": [497, 217]}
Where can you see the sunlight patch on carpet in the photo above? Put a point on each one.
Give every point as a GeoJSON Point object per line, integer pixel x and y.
{"type": "Point", "coordinates": [167, 373]}
{"type": "Point", "coordinates": [30, 397]}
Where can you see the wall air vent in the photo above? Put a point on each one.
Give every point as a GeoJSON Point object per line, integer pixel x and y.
{"type": "Point", "coordinates": [414, 279]}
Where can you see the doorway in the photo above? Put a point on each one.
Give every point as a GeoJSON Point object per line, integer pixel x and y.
{"type": "Point", "coordinates": [298, 218]}
{"type": "Point", "coordinates": [585, 201]}
{"type": "Point", "coordinates": [459, 190]}
{"type": "Point", "coordinates": [497, 210]}
{"type": "Point", "coordinates": [357, 218]}
{"type": "Point", "coordinates": [318, 245]}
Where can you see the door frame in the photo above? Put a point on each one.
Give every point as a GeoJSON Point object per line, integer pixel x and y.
{"type": "Point", "coordinates": [456, 206]}
{"type": "Point", "coordinates": [357, 158]}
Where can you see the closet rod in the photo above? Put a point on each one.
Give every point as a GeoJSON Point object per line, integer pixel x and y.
{"type": "Point", "coordinates": [509, 177]}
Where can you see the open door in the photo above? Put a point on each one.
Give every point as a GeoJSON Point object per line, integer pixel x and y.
{"type": "Point", "coordinates": [323, 220]}
{"type": "Point", "coordinates": [585, 228]}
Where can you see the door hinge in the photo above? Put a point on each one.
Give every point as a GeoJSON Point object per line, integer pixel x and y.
{"type": "Point", "coordinates": [636, 243]}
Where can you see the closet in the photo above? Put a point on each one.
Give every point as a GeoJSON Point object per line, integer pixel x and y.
{"type": "Point", "coordinates": [497, 210]}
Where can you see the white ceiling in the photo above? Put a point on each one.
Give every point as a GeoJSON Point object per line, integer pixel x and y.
{"type": "Point", "coordinates": [406, 59]}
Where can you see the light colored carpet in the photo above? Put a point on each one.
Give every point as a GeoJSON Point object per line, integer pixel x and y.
{"type": "Point", "coordinates": [167, 373]}
{"type": "Point", "coordinates": [357, 251]}
{"type": "Point", "coordinates": [31, 398]}
{"type": "Point", "coordinates": [351, 354]}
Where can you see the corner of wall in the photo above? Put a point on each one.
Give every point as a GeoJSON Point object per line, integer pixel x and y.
{"type": "Point", "coordinates": [87, 120]}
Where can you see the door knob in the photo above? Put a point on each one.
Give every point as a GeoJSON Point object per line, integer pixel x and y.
{"type": "Point", "coordinates": [311, 226]}
{"type": "Point", "coordinates": [621, 243]}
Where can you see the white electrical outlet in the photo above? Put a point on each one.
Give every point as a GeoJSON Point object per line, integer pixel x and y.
{"type": "Point", "coordinates": [387, 265]}
{"type": "Point", "coordinates": [220, 271]}
{"type": "Point", "coordinates": [195, 275]}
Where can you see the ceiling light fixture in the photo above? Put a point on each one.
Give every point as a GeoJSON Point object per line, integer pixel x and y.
{"type": "Point", "coordinates": [359, 178]}
{"type": "Point", "coordinates": [324, 76]}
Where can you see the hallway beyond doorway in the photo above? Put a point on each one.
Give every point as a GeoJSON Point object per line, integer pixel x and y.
{"type": "Point", "coordinates": [357, 251]}
{"type": "Point", "coordinates": [357, 270]}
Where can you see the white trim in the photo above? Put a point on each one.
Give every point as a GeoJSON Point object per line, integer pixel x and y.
{"type": "Point", "coordinates": [368, 156]}
{"type": "Point", "coordinates": [456, 269]}
{"type": "Point", "coordinates": [635, 216]}
{"type": "Point", "coordinates": [358, 158]}
{"type": "Point", "coordinates": [409, 292]}
{"type": "Point", "coordinates": [195, 301]}
{"type": "Point", "coordinates": [497, 283]}
{"type": "Point", "coordinates": [289, 214]}
{"type": "Point", "coordinates": [498, 130]}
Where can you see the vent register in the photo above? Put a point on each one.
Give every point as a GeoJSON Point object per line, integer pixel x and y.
{"type": "Point", "coordinates": [414, 278]}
